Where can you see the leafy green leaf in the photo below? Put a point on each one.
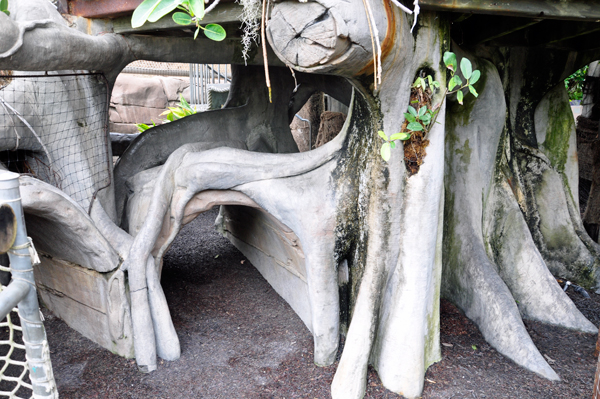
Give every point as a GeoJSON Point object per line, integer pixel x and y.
{"type": "Point", "coordinates": [196, 33]}
{"type": "Point", "coordinates": [473, 91]}
{"type": "Point", "coordinates": [383, 135]}
{"type": "Point", "coordinates": [182, 18]}
{"type": "Point", "coordinates": [410, 117]}
{"type": "Point", "coordinates": [422, 110]}
{"type": "Point", "coordinates": [400, 136]}
{"type": "Point", "coordinates": [215, 32]}
{"type": "Point", "coordinates": [474, 347]}
{"type": "Point", "coordinates": [163, 8]}
{"type": "Point", "coordinates": [475, 76]}
{"type": "Point", "coordinates": [430, 80]}
{"type": "Point", "coordinates": [386, 151]}
{"type": "Point", "coordinates": [392, 145]}
{"type": "Point", "coordinates": [451, 84]}
{"type": "Point", "coordinates": [197, 8]}
{"type": "Point", "coordinates": [450, 61]}
{"type": "Point", "coordinates": [142, 12]}
{"type": "Point", "coordinates": [455, 81]}
{"type": "Point", "coordinates": [466, 67]}
{"type": "Point", "coordinates": [4, 5]}
{"type": "Point", "coordinates": [415, 127]}
{"type": "Point", "coordinates": [184, 104]}
{"type": "Point", "coordinates": [426, 119]}
{"type": "Point", "coordinates": [413, 111]}
{"type": "Point", "coordinates": [142, 127]}
{"type": "Point", "coordinates": [459, 97]}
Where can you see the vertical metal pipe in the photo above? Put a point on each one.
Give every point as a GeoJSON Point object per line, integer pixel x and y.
{"type": "Point", "coordinates": [34, 334]}
{"type": "Point", "coordinates": [202, 83]}
{"type": "Point", "coordinates": [191, 75]}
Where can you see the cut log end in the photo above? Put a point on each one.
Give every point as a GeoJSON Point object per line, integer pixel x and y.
{"type": "Point", "coordinates": [307, 35]}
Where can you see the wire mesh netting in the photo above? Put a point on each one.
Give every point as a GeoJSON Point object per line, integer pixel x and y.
{"type": "Point", "coordinates": [14, 373]}
{"type": "Point", "coordinates": [55, 127]}
{"type": "Point", "coordinates": [157, 68]}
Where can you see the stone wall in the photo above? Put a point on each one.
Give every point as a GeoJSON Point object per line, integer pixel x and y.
{"type": "Point", "coordinates": [142, 98]}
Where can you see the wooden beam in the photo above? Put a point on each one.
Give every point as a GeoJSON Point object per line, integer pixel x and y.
{"type": "Point", "coordinates": [222, 14]}
{"type": "Point", "coordinates": [551, 9]}
{"type": "Point", "coordinates": [484, 28]}
{"type": "Point", "coordinates": [554, 34]}
{"type": "Point", "coordinates": [101, 8]}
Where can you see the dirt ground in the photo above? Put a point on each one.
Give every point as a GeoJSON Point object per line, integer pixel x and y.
{"type": "Point", "coordinates": [239, 339]}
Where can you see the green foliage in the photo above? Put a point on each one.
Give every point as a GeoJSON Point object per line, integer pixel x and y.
{"type": "Point", "coordinates": [181, 111]}
{"type": "Point", "coordinates": [574, 84]}
{"type": "Point", "coordinates": [172, 114]}
{"type": "Point", "coordinates": [214, 32]}
{"type": "Point", "coordinates": [4, 7]}
{"type": "Point", "coordinates": [142, 127]}
{"type": "Point", "coordinates": [421, 119]}
{"type": "Point", "coordinates": [192, 12]}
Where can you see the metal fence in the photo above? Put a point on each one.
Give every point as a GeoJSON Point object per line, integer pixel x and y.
{"type": "Point", "coordinates": [207, 78]}
{"type": "Point", "coordinates": [54, 126]}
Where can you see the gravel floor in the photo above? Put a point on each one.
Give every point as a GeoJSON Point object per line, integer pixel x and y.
{"type": "Point", "coordinates": [239, 339]}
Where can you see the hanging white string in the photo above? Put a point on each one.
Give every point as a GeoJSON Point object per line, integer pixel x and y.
{"type": "Point", "coordinates": [416, 11]}
{"type": "Point", "coordinates": [377, 46]}
{"type": "Point", "coordinates": [407, 10]}
{"type": "Point", "coordinates": [402, 7]}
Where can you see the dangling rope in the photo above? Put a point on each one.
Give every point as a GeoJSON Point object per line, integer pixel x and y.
{"type": "Point", "coordinates": [407, 10]}
{"type": "Point", "coordinates": [375, 34]}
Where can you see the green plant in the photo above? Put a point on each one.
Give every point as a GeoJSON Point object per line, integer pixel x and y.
{"type": "Point", "coordinates": [142, 127]}
{"type": "Point", "coordinates": [574, 84]}
{"type": "Point", "coordinates": [182, 110]}
{"type": "Point", "coordinates": [419, 120]}
{"type": "Point", "coordinates": [193, 13]}
{"type": "Point", "coordinates": [4, 7]}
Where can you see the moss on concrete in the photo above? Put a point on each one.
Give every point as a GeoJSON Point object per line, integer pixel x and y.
{"type": "Point", "coordinates": [560, 126]}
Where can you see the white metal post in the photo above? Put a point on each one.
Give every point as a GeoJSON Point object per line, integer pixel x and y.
{"type": "Point", "coordinates": [21, 292]}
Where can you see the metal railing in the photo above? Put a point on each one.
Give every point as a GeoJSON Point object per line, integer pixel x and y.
{"type": "Point", "coordinates": [21, 293]}
{"type": "Point", "coordinates": [202, 76]}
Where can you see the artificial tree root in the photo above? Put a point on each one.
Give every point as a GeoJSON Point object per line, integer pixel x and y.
{"type": "Point", "coordinates": [491, 263]}
{"type": "Point", "coordinates": [192, 169]}
{"type": "Point", "coordinates": [545, 204]}
{"type": "Point", "coordinates": [522, 268]}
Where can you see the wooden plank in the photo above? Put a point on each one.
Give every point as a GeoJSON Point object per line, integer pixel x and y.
{"type": "Point", "coordinates": [85, 286]}
{"type": "Point", "coordinates": [222, 14]}
{"type": "Point", "coordinates": [513, 31]}
{"type": "Point", "coordinates": [79, 296]}
{"type": "Point", "coordinates": [551, 9]}
{"type": "Point", "coordinates": [484, 28]}
{"type": "Point", "coordinates": [566, 35]}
